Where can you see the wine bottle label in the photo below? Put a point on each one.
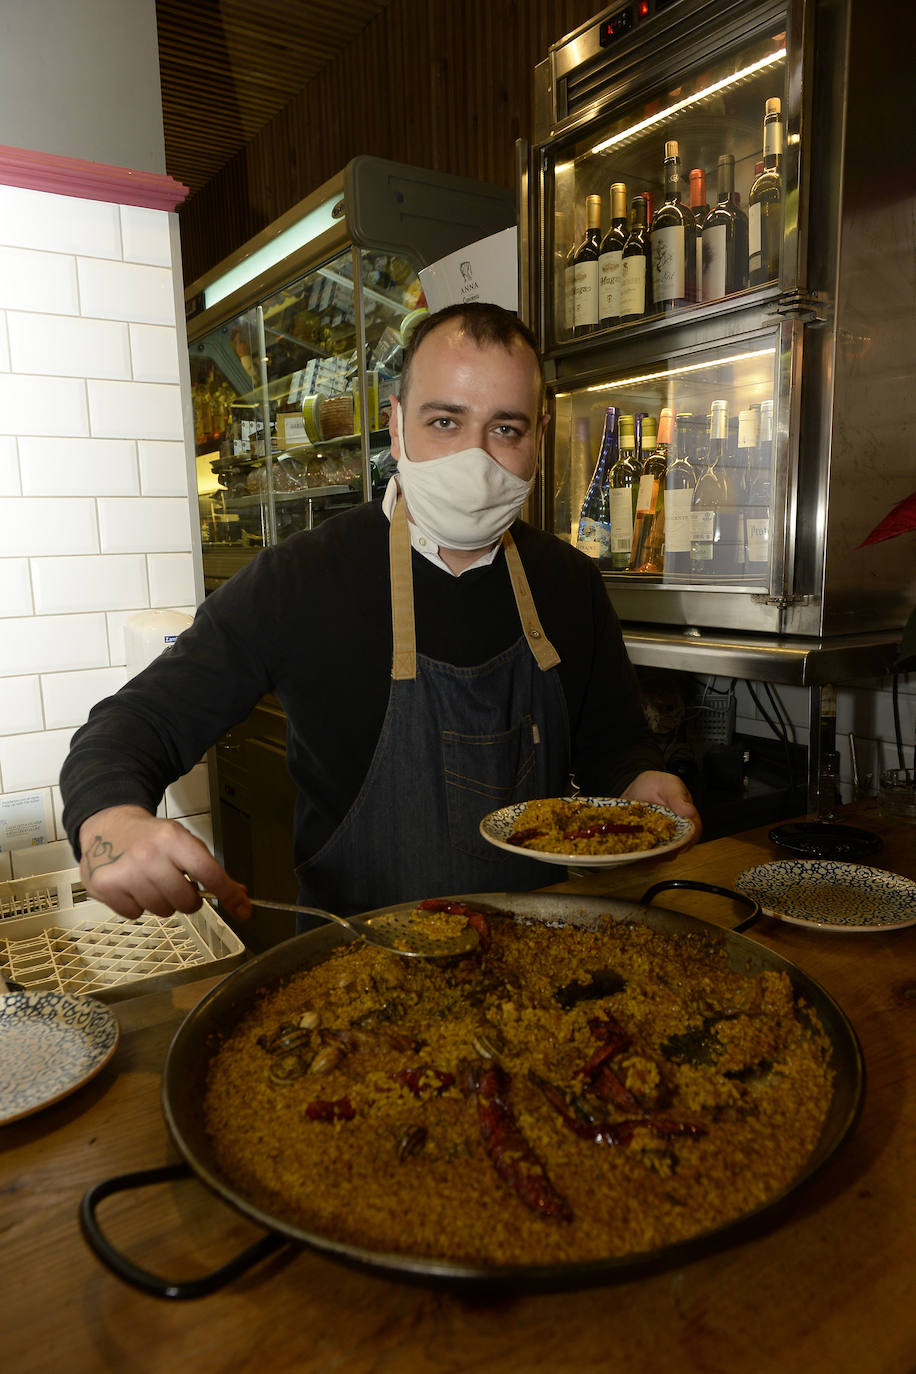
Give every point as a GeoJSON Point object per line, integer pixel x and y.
{"type": "Point", "coordinates": [570, 284]}
{"type": "Point", "coordinates": [594, 538]}
{"type": "Point", "coordinates": [647, 495]}
{"type": "Point", "coordinates": [621, 503]}
{"type": "Point", "coordinates": [677, 520]}
{"type": "Point", "coordinates": [585, 304]}
{"type": "Point", "coordinates": [668, 266]}
{"type": "Point", "coordinates": [633, 286]}
{"type": "Point", "coordinates": [715, 257]}
{"type": "Point", "coordinates": [753, 235]}
{"type": "Point", "coordinates": [758, 539]}
{"type": "Point", "coordinates": [702, 535]}
{"type": "Point", "coordinates": [747, 429]}
{"type": "Point", "coordinates": [609, 285]}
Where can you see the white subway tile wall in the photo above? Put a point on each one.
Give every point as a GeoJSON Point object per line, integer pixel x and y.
{"type": "Point", "coordinates": [163, 468]}
{"type": "Point", "coordinates": [78, 467]}
{"type": "Point", "coordinates": [95, 502]}
{"type": "Point", "coordinates": [9, 466]}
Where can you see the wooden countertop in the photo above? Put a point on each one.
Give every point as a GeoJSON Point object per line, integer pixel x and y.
{"type": "Point", "coordinates": [830, 1289]}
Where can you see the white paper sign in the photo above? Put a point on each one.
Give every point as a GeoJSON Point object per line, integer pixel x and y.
{"type": "Point", "coordinates": [24, 821]}
{"type": "Point", "coordinates": [483, 271]}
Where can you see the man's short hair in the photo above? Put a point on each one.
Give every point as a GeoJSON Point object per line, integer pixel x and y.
{"type": "Point", "coordinates": [482, 321]}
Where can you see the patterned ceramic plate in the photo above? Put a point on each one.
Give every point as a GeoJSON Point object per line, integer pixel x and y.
{"type": "Point", "coordinates": [497, 827]}
{"type": "Point", "coordinates": [50, 1045]}
{"type": "Point", "coordinates": [831, 896]}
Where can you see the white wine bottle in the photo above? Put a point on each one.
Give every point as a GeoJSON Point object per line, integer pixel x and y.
{"type": "Point", "coordinates": [680, 485]}
{"type": "Point", "coordinates": [757, 496]}
{"type": "Point", "coordinates": [710, 500]}
{"type": "Point", "coordinates": [624, 485]}
{"type": "Point", "coordinates": [765, 202]}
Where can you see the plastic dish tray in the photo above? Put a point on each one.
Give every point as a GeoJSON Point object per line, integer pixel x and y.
{"type": "Point", "coordinates": [39, 894]}
{"type": "Point", "coordinates": [88, 949]}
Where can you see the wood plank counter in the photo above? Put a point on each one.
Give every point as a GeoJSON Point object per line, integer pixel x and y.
{"type": "Point", "coordinates": [830, 1289]}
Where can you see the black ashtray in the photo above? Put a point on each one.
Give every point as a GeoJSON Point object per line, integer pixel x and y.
{"type": "Point", "coordinates": [825, 840]}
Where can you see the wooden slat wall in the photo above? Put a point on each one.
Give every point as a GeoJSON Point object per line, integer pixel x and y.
{"type": "Point", "coordinates": [444, 84]}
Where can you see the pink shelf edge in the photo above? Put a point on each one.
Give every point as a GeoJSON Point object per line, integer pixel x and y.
{"type": "Point", "coordinates": [72, 176]}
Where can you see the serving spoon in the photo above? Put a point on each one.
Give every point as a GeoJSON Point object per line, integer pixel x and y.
{"type": "Point", "coordinates": [398, 931]}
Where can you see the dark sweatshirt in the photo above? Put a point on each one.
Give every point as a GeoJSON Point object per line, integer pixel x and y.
{"type": "Point", "coordinates": [309, 620]}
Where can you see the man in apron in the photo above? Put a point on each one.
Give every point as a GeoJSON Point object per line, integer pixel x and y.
{"type": "Point", "coordinates": [483, 708]}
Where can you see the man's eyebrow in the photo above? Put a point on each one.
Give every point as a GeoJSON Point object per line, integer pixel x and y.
{"type": "Point", "coordinates": [453, 408]}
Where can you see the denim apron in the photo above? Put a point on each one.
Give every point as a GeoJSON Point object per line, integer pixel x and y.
{"type": "Point", "coordinates": [455, 744]}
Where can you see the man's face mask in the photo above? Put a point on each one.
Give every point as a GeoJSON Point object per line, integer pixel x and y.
{"type": "Point", "coordinates": [465, 500]}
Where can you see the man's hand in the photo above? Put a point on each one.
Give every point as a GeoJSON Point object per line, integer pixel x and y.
{"type": "Point", "coordinates": [134, 862]}
{"type": "Point", "coordinates": [667, 789]}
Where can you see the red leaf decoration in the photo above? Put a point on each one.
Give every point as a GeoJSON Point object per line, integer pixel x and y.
{"type": "Point", "coordinates": [898, 521]}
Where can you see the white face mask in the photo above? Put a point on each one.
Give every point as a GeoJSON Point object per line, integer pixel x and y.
{"type": "Point", "coordinates": [465, 500]}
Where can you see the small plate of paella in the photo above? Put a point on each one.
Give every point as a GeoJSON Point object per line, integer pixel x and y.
{"type": "Point", "coordinates": [586, 832]}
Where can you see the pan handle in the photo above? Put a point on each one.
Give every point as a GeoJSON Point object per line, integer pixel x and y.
{"type": "Point", "coordinates": [656, 888]}
{"type": "Point", "coordinates": [149, 1283]}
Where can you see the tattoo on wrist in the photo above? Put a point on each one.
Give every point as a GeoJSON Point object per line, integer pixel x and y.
{"type": "Point", "coordinates": [99, 854]}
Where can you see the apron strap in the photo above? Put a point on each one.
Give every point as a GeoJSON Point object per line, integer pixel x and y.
{"type": "Point", "coordinates": [403, 627]}
{"type": "Point", "coordinates": [545, 655]}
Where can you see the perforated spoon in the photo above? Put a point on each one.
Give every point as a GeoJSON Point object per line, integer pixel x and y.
{"type": "Point", "coordinates": [398, 931]}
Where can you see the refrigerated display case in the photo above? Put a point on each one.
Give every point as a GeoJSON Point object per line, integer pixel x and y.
{"type": "Point", "coordinates": [780, 345]}
{"type": "Point", "coordinates": [296, 343]}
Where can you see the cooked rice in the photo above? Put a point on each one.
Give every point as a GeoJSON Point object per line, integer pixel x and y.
{"type": "Point", "coordinates": [408, 1172]}
{"type": "Point", "coordinates": [557, 825]}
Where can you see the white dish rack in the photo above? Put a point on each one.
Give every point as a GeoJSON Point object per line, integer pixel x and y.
{"type": "Point", "coordinates": [55, 938]}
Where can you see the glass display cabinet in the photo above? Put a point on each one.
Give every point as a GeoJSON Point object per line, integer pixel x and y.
{"type": "Point", "coordinates": [700, 251]}
{"type": "Point", "coordinates": [296, 343]}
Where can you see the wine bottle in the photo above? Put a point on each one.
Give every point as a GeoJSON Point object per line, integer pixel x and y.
{"type": "Point", "coordinates": [748, 429]}
{"type": "Point", "coordinates": [710, 500]}
{"type": "Point", "coordinates": [649, 198]}
{"type": "Point", "coordinates": [757, 497]}
{"type": "Point", "coordinates": [725, 239]}
{"type": "Point", "coordinates": [765, 202]}
{"type": "Point", "coordinates": [622, 495]}
{"type": "Point", "coordinates": [594, 537]}
{"type": "Point", "coordinates": [568, 237]}
{"type": "Point", "coordinates": [700, 211]}
{"type": "Point", "coordinates": [680, 485]}
{"type": "Point", "coordinates": [673, 242]}
{"type": "Point", "coordinates": [647, 554]}
{"type": "Point", "coordinates": [611, 256]}
{"type": "Point", "coordinates": [585, 304]}
{"type": "Point", "coordinates": [635, 278]}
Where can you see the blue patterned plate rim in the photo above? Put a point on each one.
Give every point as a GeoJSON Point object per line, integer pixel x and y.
{"type": "Point", "coordinates": [50, 1045]}
{"type": "Point", "coordinates": [497, 827]}
{"type": "Point", "coordinates": [825, 894]}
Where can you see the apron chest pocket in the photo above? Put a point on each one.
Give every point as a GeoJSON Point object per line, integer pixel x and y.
{"type": "Point", "coordinates": [483, 773]}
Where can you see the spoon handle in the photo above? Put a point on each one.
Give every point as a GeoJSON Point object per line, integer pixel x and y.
{"type": "Point", "coordinates": [288, 906]}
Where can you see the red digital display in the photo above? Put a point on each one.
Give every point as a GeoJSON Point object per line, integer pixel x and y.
{"type": "Point", "coordinates": [618, 24]}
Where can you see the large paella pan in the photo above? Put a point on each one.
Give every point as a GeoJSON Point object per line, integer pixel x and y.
{"type": "Point", "coordinates": [191, 1057]}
